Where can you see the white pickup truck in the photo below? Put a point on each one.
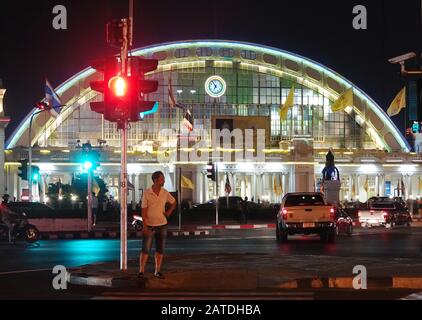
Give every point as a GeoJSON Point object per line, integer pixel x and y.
{"type": "Point", "coordinates": [384, 213]}
{"type": "Point", "coordinates": [305, 213]}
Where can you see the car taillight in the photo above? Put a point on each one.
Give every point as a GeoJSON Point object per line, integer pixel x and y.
{"type": "Point", "coordinates": [332, 213]}
{"type": "Point", "coordinates": [359, 214]}
{"type": "Point", "coordinates": [284, 214]}
{"type": "Point", "coordinates": [385, 215]}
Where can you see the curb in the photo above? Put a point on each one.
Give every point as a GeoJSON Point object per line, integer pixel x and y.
{"type": "Point", "coordinates": [395, 282]}
{"type": "Point", "coordinates": [111, 235]}
{"type": "Point", "coordinates": [241, 281]}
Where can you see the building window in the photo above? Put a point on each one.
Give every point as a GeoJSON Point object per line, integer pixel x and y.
{"type": "Point", "coordinates": [204, 52]}
{"type": "Point", "coordinates": [248, 54]}
{"type": "Point", "coordinates": [226, 52]}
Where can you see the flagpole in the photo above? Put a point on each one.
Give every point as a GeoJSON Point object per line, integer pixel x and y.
{"type": "Point", "coordinates": [180, 198]}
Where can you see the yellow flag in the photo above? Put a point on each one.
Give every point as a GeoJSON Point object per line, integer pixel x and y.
{"type": "Point", "coordinates": [288, 104]}
{"type": "Point", "coordinates": [398, 103]}
{"type": "Point", "coordinates": [353, 189]}
{"type": "Point", "coordinates": [345, 100]}
{"type": "Point", "coordinates": [95, 186]}
{"type": "Point", "coordinates": [278, 188]}
{"type": "Point", "coordinates": [365, 186]}
{"type": "Point", "coordinates": [187, 183]}
{"type": "Point", "coordinates": [420, 185]}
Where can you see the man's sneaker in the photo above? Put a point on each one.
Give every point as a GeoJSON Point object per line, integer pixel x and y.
{"type": "Point", "coordinates": [159, 275]}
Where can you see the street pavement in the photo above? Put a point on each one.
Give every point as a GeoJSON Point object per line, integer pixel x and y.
{"type": "Point", "coordinates": [26, 270]}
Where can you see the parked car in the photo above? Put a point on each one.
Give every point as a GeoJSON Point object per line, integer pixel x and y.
{"type": "Point", "coordinates": [306, 213]}
{"type": "Point", "coordinates": [385, 213]}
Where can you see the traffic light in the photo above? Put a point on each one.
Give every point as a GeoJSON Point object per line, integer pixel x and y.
{"type": "Point", "coordinates": [23, 170]}
{"type": "Point", "coordinates": [90, 158]}
{"type": "Point", "coordinates": [41, 105]}
{"type": "Point", "coordinates": [35, 173]}
{"type": "Point", "coordinates": [211, 171]}
{"type": "Point", "coordinates": [124, 96]}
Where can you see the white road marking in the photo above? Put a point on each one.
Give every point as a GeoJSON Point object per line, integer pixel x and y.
{"type": "Point", "coordinates": [23, 271]}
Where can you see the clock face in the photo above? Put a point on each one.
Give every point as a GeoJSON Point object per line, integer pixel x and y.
{"type": "Point", "coordinates": [215, 86]}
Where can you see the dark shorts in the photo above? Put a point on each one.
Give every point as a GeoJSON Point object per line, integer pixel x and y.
{"type": "Point", "coordinates": [159, 233]}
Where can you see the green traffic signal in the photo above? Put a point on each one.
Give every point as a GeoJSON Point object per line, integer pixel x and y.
{"type": "Point", "coordinates": [87, 165]}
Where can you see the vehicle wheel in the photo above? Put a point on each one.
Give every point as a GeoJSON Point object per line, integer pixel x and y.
{"type": "Point", "coordinates": [139, 226]}
{"type": "Point", "coordinates": [331, 236]}
{"type": "Point", "coordinates": [337, 231]}
{"type": "Point", "coordinates": [31, 234]}
{"type": "Point", "coordinates": [350, 231]}
{"type": "Point", "coordinates": [281, 235]}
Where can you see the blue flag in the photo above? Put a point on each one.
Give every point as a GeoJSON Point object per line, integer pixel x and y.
{"type": "Point", "coordinates": [52, 99]}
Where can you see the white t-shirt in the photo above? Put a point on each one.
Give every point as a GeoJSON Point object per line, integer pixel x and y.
{"type": "Point", "coordinates": [156, 206]}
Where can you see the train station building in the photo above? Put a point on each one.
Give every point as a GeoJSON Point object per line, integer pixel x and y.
{"type": "Point", "coordinates": [232, 85]}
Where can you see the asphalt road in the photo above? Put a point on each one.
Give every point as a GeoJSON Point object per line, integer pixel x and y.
{"type": "Point", "coordinates": [26, 270]}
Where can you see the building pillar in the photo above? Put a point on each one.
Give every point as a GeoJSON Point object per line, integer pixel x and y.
{"type": "Point", "coordinates": [253, 187]}
{"type": "Point", "coordinates": [234, 184]}
{"type": "Point", "coordinates": [198, 194]}
{"type": "Point", "coordinates": [137, 187]}
{"type": "Point", "coordinates": [4, 121]}
{"type": "Point", "coordinates": [377, 185]}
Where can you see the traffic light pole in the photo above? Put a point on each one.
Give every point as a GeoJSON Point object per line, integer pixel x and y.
{"type": "Point", "coordinates": [123, 125]}
{"type": "Point", "coordinates": [123, 198]}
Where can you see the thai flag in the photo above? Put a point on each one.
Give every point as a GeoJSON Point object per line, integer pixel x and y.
{"type": "Point", "coordinates": [52, 99]}
{"type": "Point", "coordinates": [227, 187]}
{"type": "Point", "coordinates": [172, 99]}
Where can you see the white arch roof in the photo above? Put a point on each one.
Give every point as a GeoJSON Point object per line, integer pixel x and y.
{"type": "Point", "coordinates": [269, 60]}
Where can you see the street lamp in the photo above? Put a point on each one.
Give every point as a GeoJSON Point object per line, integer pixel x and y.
{"type": "Point", "coordinates": [43, 107]}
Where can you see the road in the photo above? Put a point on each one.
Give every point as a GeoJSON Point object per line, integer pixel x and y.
{"type": "Point", "coordinates": [26, 270]}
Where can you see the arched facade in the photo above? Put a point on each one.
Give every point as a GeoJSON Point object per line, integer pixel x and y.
{"type": "Point", "coordinates": [258, 80]}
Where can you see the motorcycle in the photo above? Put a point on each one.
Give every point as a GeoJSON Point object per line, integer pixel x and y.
{"type": "Point", "coordinates": [22, 230]}
{"type": "Point", "coordinates": [137, 223]}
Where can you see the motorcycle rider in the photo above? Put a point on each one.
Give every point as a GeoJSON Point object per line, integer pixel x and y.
{"type": "Point", "coordinates": [8, 217]}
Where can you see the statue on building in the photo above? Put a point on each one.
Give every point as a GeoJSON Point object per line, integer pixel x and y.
{"type": "Point", "coordinates": [330, 171]}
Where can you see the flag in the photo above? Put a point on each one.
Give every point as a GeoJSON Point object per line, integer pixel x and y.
{"type": "Point", "coordinates": [366, 185]}
{"type": "Point", "coordinates": [278, 189]}
{"type": "Point", "coordinates": [188, 121]}
{"type": "Point", "coordinates": [227, 187]}
{"type": "Point", "coordinates": [52, 99]}
{"type": "Point", "coordinates": [402, 187]}
{"type": "Point", "coordinates": [345, 100]}
{"type": "Point", "coordinates": [172, 99]}
{"type": "Point", "coordinates": [187, 183]}
{"type": "Point", "coordinates": [420, 185]}
{"type": "Point", "coordinates": [398, 103]}
{"type": "Point", "coordinates": [95, 186]}
{"type": "Point", "coordinates": [287, 104]}
{"type": "Point", "coordinates": [353, 189]}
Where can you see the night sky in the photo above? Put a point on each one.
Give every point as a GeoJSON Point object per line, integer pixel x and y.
{"type": "Point", "coordinates": [321, 30]}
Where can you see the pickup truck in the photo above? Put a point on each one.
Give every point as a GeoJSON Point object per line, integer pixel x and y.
{"type": "Point", "coordinates": [384, 213]}
{"type": "Point", "coordinates": [306, 213]}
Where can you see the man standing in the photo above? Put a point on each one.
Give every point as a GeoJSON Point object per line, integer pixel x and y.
{"type": "Point", "coordinates": [155, 217]}
{"type": "Point", "coordinates": [94, 206]}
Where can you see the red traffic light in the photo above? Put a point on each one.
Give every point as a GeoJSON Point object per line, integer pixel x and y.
{"type": "Point", "coordinates": [118, 86]}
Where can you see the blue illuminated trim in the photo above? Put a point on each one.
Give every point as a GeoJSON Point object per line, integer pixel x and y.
{"type": "Point", "coordinates": [153, 110]}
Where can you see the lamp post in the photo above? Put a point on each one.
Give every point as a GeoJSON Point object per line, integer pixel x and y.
{"type": "Point", "coordinates": [45, 107]}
